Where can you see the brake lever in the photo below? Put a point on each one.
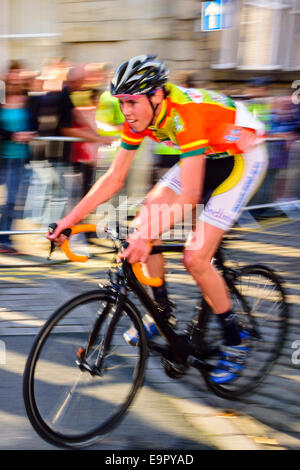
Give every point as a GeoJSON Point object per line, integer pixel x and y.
{"type": "Point", "coordinates": [51, 229]}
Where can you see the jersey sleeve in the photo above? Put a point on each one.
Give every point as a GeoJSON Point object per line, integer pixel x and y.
{"type": "Point", "coordinates": [130, 140]}
{"type": "Point", "coordinates": [191, 132]}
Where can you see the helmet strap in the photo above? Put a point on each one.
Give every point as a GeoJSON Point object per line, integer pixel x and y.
{"type": "Point", "coordinates": [154, 108]}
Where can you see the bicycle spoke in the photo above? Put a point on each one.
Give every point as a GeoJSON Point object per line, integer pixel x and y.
{"type": "Point", "coordinates": [63, 407]}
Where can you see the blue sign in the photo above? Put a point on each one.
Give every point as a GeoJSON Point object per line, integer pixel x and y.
{"type": "Point", "coordinates": [212, 15]}
{"type": "Point", "coordinates": [217, 14]}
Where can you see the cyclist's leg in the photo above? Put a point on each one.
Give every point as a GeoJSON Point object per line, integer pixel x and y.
{"type": "Point", "coordinates": [199, 250]}
{"type": "Point", "coordinates": [166, 191]}
{"type": "Point", "coordinates": [155, 267]}
{"type": "Point", "coordinates": [220, 213]}
{"type": "Point", "coordinates": [197, 260]}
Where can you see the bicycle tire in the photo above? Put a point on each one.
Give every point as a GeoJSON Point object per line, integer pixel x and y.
{"type": "Point", "coordinates": [48, 377]}
{"type": "Point", "coordinates": [258, 293]}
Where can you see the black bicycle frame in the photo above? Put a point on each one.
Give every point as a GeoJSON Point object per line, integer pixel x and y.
{"type": "Point", "coordinates": [180, 349]}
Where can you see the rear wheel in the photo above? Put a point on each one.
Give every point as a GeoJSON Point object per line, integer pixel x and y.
{"type": "Point", "coordinates": [81, 376]}
{"type": "Point", "coordinates": [260, 303]}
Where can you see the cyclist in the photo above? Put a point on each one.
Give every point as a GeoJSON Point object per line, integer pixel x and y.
{"type": "Point", "coordinates": [222, 163]}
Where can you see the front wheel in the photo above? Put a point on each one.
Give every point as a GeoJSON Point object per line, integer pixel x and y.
{"type": "Point", "coordinates": [81, 376]}
{"type": "Point", "coordinates": [260, 303]}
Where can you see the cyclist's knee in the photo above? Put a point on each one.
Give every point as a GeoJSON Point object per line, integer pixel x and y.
{"type": "Point", "coordinates": [161, 195]}
{"type": "Point", "coordinates": [195, 260]}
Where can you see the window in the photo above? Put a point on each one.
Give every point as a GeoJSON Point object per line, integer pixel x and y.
{"type": "Point", "coordinates": [263, 37]}
{"type": "Point", "coordinates": [292, 51]}
{"type": "Point", "coordinates": [32, 18]}
{"type": "Point", "coordinates": [28, 30]}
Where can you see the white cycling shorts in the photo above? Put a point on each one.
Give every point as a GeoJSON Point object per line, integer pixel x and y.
{"type": "Point", "coordinates": [226, 202]}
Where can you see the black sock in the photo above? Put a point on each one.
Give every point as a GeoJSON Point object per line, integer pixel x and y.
{"type": "Point", "coordinates": [160, 294]}
{"type": "Point", "coordinates": [231, 329]}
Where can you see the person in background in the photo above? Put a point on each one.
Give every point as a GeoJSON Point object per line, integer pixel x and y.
{"type": "Point", "coordinates": [109, 117]}
{"type": "Point", "coordinates": [85, 154]}
{"type": "Point", "coordinates": [72, 123]}
{"type": "Point", "coordinates": [18, 126]}
{"type": "Point", "coordinates": [109, 120]}
{"type": "Point", "coordinates": [259, 102]}
{"type": "Point", "coordinates": [284, 126]}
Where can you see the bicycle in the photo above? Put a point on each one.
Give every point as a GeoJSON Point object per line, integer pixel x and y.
{"type": "Point", "coordinates": [81, 376]}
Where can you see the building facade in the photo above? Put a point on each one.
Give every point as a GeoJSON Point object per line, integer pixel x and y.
{"type": "Point", "coordinates": [259, 36]}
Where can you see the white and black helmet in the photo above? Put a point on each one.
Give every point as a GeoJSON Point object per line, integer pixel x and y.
{"type": "Point", "coordinates": [140, 75]}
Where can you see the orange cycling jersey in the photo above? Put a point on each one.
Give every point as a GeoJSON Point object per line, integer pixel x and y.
{"type": "Point", "coordinates": [196, 121]}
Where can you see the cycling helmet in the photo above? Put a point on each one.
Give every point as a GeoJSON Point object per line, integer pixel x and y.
{"type": "Point", "coordinates": [140, 75]}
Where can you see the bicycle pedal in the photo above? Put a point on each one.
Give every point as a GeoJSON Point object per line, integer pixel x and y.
{"type": "Point", "coordinates": [199, 364]}
{"type": "Point", "coordinates": [173, 369]}
{"type": "Point", "coordinates": [205, 353]}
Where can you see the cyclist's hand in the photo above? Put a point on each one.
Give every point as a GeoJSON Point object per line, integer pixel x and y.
{"type": "Point", "coordinates": [137, 251]}
{"type": "Point", "coordinates": [23, 137]}
{"type": "Point", "coordinates": [104, 140]}
{"type": "Point", "coordinates": [56, 236]}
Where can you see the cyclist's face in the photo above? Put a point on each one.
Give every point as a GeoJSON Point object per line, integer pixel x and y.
{"type": "Point", "coordinates": [138, 111]}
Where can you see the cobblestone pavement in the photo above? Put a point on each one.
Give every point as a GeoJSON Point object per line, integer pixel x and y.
{"type": "Point", "coordinates": [267, 419]}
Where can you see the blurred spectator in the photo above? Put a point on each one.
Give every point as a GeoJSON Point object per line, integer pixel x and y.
{"type": "Point", "coordinates": [66, 110]}
{"type": "Point", "coordinates": [82, 83]}
{"type": "Point", "coordinates": [259, 102]}
{"type": "Point", "coordinates": [85, 154]}
{"type": "Point", "coordinates": [102, 110]}
{"type": "Point", "coordinates": [72, 122]}
{"type": "Point", "coordinates": [259, 99]}
{"type": "Point", "coordinates": [108, 116]}
{"type": "Point", "coordinates": [56, 105]}
{"type": "Point", "coordinates": [281, 119]}
{"type": "Point", "coordinates": [48, 107]}
{"type": "Point", "coordinates": [54, 72]}
{"type": "Point", "coordinates": [18, 126]}
{"type": "Point", "coordinates": [292, 189]}
{"type": "Point", "coordinates": [285, 128]}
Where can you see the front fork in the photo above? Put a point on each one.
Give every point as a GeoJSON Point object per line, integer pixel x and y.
{"type": "Point", "coordinates": [99, 364]}
{"type": "Point", "coordinates": [82, 354]}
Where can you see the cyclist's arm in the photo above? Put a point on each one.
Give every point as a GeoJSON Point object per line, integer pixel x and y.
{"type": "Point", "coordinates": [106, 186]}
{"type": "Point", "coordinates": [88, 135]}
